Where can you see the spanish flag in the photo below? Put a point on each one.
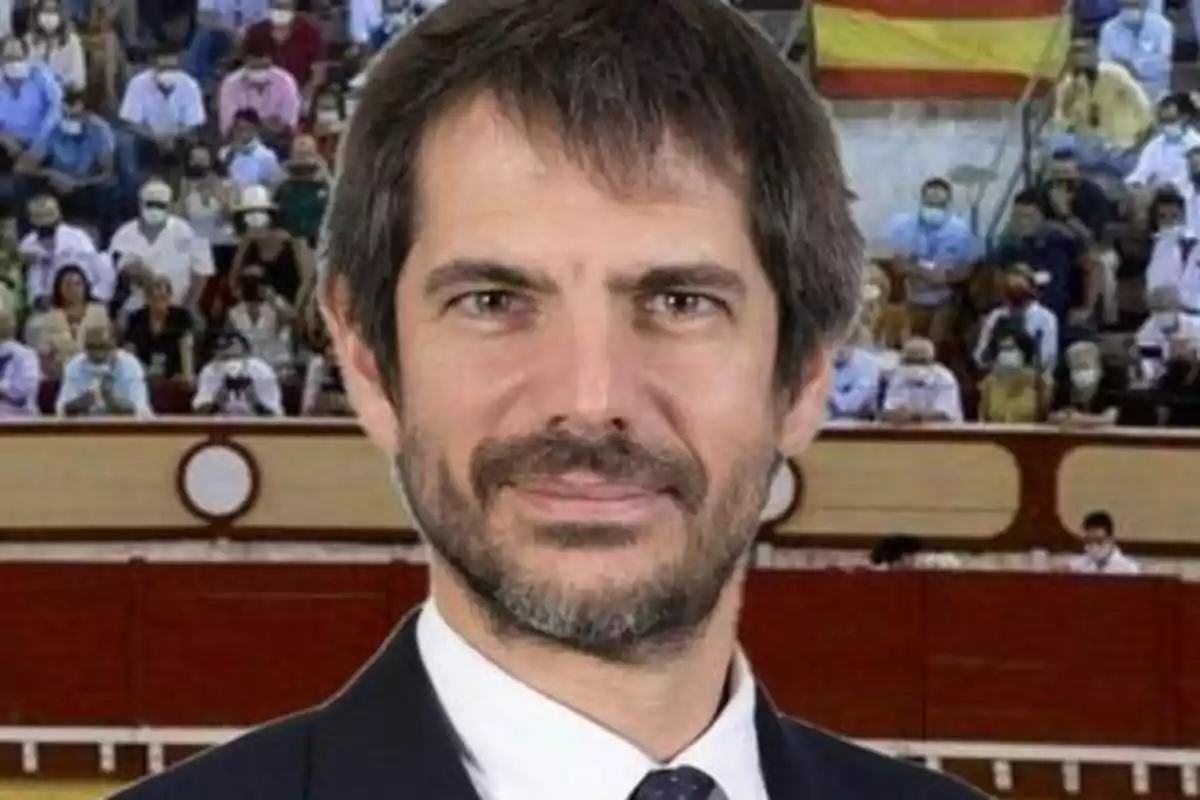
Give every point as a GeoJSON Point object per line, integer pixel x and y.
{"type": "Point", "coordinates": [938, 48]}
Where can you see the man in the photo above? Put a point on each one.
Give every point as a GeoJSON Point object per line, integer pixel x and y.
{"type": "Point", "coordinates": [1020, 313]}
{"type": "Point", "coordinates": [161, 244]}
{"type": "Point", "coordinates": [1142, 41]}
{"type": "Point", "coordinates": [74, 163]}
{"type": "Point", "coordinates": [262, 87]}
{"type": "Point", "coordinates": [220, 24]}
{"type": "Point", "coordinates": [1163, 161]}
{"type": "Point", "coordinates": [1073, 200]}
{"type": "Point", "coordinates": [237, 384]}
{"type": "Point", "coordinates": [1101, 555]}
{"type": "Point", "coordinates": [1054, 251]}
{"type": "Point", "coordinates": [934, 250]}
{"type": "Point", "coordinates": [1174, 260]}
{"type": "Point", "coordinates": [921, 390]}
{"type": "Point", "coordinates": [30, 103]}
{"type": "Point", "coordinates": [247, 161]}
{"type": "Point", "coordinates": [20, 371]}
{"type": "Point", "coordinates": [857, 379]}
{"type": "Point", "coordinates": [103, 380]}
{"type": "Point", "coordinates": [293, 42]}
{"type": "Point", "coordinates": [164, 108]}
{"type": "Point", "coordinates": [585, 356]}
{"type": "Point", "coordinates": [51, 244]}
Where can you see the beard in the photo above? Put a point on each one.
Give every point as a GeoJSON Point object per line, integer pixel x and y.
{"type": "Point", "coordinates": [615, 621]}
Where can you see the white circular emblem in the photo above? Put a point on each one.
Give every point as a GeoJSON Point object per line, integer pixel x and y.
{"type": "Point", "coordinates": [217, 480]}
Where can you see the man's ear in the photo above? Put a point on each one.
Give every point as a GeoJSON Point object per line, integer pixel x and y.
{"type": "Point", "coordinates": [804, 417]}
{"type": "Point", "coordinates": [360, 373]}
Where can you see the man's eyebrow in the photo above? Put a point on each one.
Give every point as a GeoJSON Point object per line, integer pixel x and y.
{"type": "Point", "coordinates": [699, 276]}
{"type": "Point", "coordinates": [494, 273]}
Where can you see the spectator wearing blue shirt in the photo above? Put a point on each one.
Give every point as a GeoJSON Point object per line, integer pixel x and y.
{"type": "Point", "coordinates": [1056, 254]}
{"type": "Point", "coordinates": [247, 161]}
{"type": "Point", "coordinates": [31, 103]}
{"type": "Point", "coordinates": [1143, 41]}
{"type": "Point", "coordinates": [74, 163]}
{"type": "Point", "coordinates": [854, 392]}
{"type": "Point", "coordinates": [934, 250]}
{"type": "Point", "coordinates": [103, 380]}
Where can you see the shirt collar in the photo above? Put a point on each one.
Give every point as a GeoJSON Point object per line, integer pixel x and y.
{"type": "Point", "coordinates": [574, 756]}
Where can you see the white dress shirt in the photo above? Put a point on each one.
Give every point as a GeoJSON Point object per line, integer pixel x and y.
{"type": "Point", "coordinates": [924, 389]}
{"type": "Point", "coordinates": [71, 245]}
{"type": "Point", "coordinates": [1163, 160]}
{"type": "Point", "coordinates": [237, 404]}
{"type": "Point", "coordinates": [1117, 563]}
{"type": "Point", "coordinates": [175, 252]}
{"type": "Point", "coordinates": [521, 745]}
{"type": "Point", "coordinates": [1175, 261]}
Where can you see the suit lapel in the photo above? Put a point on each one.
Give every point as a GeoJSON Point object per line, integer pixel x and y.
{"type": "Point", "coordinates": [784, 765]}
{"type": "Point", "coordinates": [385, 735]}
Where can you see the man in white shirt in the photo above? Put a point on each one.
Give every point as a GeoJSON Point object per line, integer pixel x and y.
{"type": "Point", "coordinates": [585, 358]}
{"type": "Point", "coordinates": [160, 243]}
{"type": "Point", "coordinates": [20, 372]}
{"type": "Point", "coordinates": [1170, 331]}
{"type": "Point", "coordinates": [164, 107]}
{"type": "Point", "coordinates": [236, 383]}
{"type": "Point", "coordinates": [1163, 160]}
{"type": "Point", "coordinates": [52, 245]}
{"type": "Point", "coordinates": [921, 389]}
{"type": "Point", "coordinates": [1101, 555]}
{"type": "Point", "coordinates": [1020, 304]}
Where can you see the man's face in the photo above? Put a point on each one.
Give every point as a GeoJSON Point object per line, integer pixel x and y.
{"type": "Point", "coordinates": [935, 197]}
{"type": "Point", "coordinates": [1083, 55]}
{"type": "Point", "coordinates": [98, 344]}
{"type": "Point", "coordinates": [1133, 4]}
{"type": "Point", "coordinates": [1168, 115]}
{"type": "Point", "coordinates": [1169, 215]}
{"type": "Point", "coordinates": [1026, 219]}
{"type": "Point", "coordinates": [1097, 543]}
{"type": "Point", "coordinates": [1064, 171]}
{"type": "Point", "coordinates": [244, 132]}
{"type": "Point", "coordinates": [588, 417]}
{"type": "Point", "coordinates": [43, 214]}
{"type": "Point", "coordinates": [13, 52]}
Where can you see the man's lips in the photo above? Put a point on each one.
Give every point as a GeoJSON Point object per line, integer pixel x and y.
{"type": "Point", "coordinates": [586, 487]}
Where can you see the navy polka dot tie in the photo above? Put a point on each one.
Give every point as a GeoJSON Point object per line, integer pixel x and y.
{"type": "Point", "coordinates": [681, 783]}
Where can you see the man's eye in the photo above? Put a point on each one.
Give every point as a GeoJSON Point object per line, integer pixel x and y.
{"type": "Point", "coordinates": [683, 304]}
{"type": "Point", "coordinates": [488, 303]}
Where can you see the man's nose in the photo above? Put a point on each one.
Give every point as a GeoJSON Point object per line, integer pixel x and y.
{"type": "Point", "coordinates": [590, 381]}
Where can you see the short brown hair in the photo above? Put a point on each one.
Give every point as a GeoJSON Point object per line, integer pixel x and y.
{"type": "Point", "coordinates": [612, 79]}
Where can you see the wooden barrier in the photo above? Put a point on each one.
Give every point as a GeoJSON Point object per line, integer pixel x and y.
{"type": "Point", "coordinates": [968, 487]}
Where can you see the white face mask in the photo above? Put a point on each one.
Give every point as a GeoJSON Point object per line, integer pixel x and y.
{"type": "Point", "coordinates": [167, 78]}
{"type": "Point", "coordinates": [257, 76]}
{"type": "Point", "coordinates": [258, 219]}
{"type": "Point", "coordinates": [1098, 552]}
{"type": "Point", "coordinates": [1010, 359]}
{"type": "Point", "coordinates": [281, 16]}
{"type": "Point", "coordinates": [72, 127]}
{"type": "Point", "coordinates": [919, 374]}
{"type": "Point", "coordinates": [329, 117]}
{"type": "Point", "coordinates": [49, 21]}
{"type": "Point", "coordinates": [1170, 231]}
{"type": "Point", "coordinates": [154, 216]}
{"type": "Point", "coordinates": [16, 70]}
{"type": "Point", "coordinates": [1085, 378]}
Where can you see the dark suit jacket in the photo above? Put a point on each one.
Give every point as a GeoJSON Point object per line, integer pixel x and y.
{"type": "Point", "coordinates": [385, 737]}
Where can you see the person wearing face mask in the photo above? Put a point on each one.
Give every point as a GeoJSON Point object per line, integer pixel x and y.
{"type": "Point", "coordinates": [75, 164]}
{"type": "Point", "coordinates": [236, 383]}
{"type": "Point", "coordinates": [206, 202]}
{"type": "Point", "coordinates": [857, 380]}
{"type": "Point", "coordinates": [1021, 314]}
{"type": "Point", "coordinates": [50, 245]}
{"type": "Point", "coordinates": [302, 197]}
{"type": "Point", "coordinates": [163, 107]}
{"type": "Point", "coordinates": [160, 244]}
{"type": "Point", "coordinates": [246, 160]}
{"type": "Point", "coordinates": [1174, 260]}
{"type": "Point", "coordinates": [934, 251]}
{"type": "Point", "coordinates": [1086, 394]}
{"type": "Point", "coordinates": [286, 261]}
{"type": "Point", "coordinates": [921, 390]}
{"type": "Point", "coordinates": [1143, 41]}
{"type": "Point", "coordinates": [1163, 160]}
{"type": "Point", "coordinates": [270, 91]}
{"type": "Point", "coordinates": [31, 103]}
{"type": "Point", "coordinates": [1101, 555]}
{"type": "Point", "coordinates": [1016, 390]}
{"type": "Point", "coordinates": [1100, 112]}
{"type": "Point", "coordinates": [52, 40]}
{"type": "Point", "coordinates": [1170, 327]}
{"type": "Point", "coordinates": [294, 43]}
{"type": "Point", "coordinates": [265, 320]}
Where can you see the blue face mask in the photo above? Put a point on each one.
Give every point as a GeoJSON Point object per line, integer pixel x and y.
{"type": "Point", "coordinates": [1172, 131]}
{"type": "Point", "coordinates": [1133, 17]}
{"type": "Point", "coordinates": [933, 216]}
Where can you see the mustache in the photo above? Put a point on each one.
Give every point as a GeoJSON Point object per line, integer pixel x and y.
{"type": "Point", "coordinates": [614, 457]}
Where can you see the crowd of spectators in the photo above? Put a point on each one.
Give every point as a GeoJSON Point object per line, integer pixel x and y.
{"type": "Point", "coordinates": [1085, 310]}
{"type": "Point", "coordinates": [164, 168]}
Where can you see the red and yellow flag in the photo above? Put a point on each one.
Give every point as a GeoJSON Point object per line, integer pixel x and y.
{"type": "Point", "coordinates": [937, 48]}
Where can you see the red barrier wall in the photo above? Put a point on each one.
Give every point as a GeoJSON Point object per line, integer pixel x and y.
{"type": "Point", "coordinates": [1006, 657]}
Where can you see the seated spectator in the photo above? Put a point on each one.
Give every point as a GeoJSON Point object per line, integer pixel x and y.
{"type": "Point", "coordinates": [1190, 191]}
{"type": "Point", "coordinates": [326, 121]}
{"type": "Point", "coordinates": [1101, 112]}
{"type": "Point", "coordinates": [1070, 199]}
{"type": "Point", "coordinates": [1101, 555]}
{"type": "Point", "coordinates": [237, 384]}
{"type": "Point", "coordinates": [56, 334]}
{"type": "Point", "coordinates": [857, 381]}
{"type": "Point", "coordinates": [324, 390]}
{"type": "Point", "coordinates": [219, 24]}
{"type": "Point", "coordinates": [19, 371]}
{"type": "Point", "coordinates": [1174, 260]}
{"type": "Point", "coordinates": [286, 260]}
{"type": "Point", "coordinates": [302, 197]}
{"type": "Point", "coordinates": [293, 42]}
{"type": "Point", "coordinates": [164, 108]}
{"type": "Point", "coordinates": [52, 245]}
{"type": "Point", "coordinates": [1142, 41]}
{"type": "Point", "coordinates": [246, 160]}
{"type": "Point", "coordinates": [264, 320]}
{"type": "Point", "coordinates": [373, 23]}
{"type": "Point", "coordinates": [921, 389]}
{"type": "Point", "coordinates": [1020, 314]}
{"type": "Point", "coordinates": [1086, 394]}
{"type": "Point", "coordinates": [206, 202]}
{"type": "Point", "coordinates": [1168, 329]}
{"type": "Point", "coordinates": [1163, 161]}
{"type": "Point", "coordinates": [1016, 389]}
{"type": "Point", "coordinates": [1176, 392]}
{"type": "Point", "coordinates": [158, 243]}
{"type": "Point", "coordinates": [12, 269]}
{"type": "Point", "coordinates": [103, 54]}
{"type": "Point", "coordinates": [160, 334]}
{"type": "Point", "coordinates": [31, 103]}
{"type": "Point", "coordinates": [1070, 290]}
{"type": "Point", "coordinates": [933, 250]}
{"type": "Point", "coordinates": [104, 380]}
{"type": "Point", "coordinates": [74, 163]}
{"type": "Point", "coordinates": [264, 88]}
{"type": "Point", "coordinates": [52, 41]}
